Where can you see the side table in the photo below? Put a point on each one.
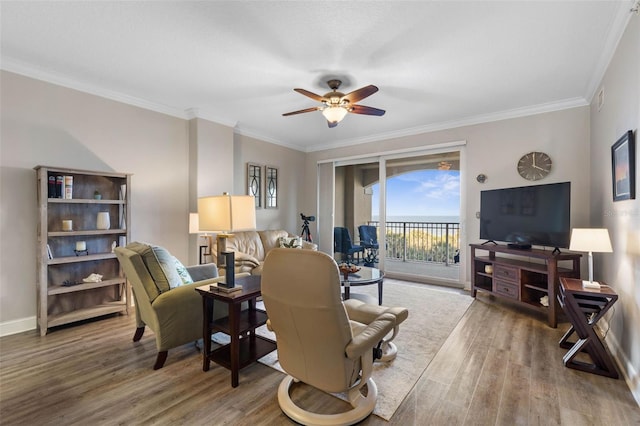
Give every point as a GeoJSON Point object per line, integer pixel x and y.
{"type": "Point", "coordinates": [585, 307]}
{"type": "Point", "coordinates": [245, 347]}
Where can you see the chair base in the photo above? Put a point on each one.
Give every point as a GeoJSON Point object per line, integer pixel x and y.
{"type": "Point", "coordinates": [362, 406]}
{"type": "Point", "coordinates": [389, 351]}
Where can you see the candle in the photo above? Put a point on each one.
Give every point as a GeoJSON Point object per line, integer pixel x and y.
{"type": "Point", "coordinates": [81, 246]}
{"type": "Point", "coordinates": [67, 225]}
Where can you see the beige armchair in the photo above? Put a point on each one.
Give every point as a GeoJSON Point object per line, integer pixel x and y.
{"type": "Point", "coordinates": [173, 314]}
{"type": "Point", "coordinates": [317, 343]}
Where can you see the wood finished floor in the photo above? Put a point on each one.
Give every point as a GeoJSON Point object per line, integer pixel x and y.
{"type": "Point", "coordinates": [499, 366]}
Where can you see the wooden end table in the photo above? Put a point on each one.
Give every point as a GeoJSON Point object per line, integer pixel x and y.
{"type": "Point", "coordinates": [245, 347]}
{"type": "Point", "coordinates": [585, 307]}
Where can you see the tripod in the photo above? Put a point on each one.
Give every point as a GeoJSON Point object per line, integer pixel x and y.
{"type": "Point", "coordinates": [306, 234]}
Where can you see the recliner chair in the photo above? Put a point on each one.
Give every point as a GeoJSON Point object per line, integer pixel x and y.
{"type": "Point", "coordinates": [173, 314]}
{"type": "Point", "coordinates": [317, 342]}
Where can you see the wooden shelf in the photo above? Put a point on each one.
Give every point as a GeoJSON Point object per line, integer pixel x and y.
{"type": "Point", "coordinates": [88, 232]}
{"type": "Point", "coordinates": [61, 289]}
{"type": "Point", "coordinates": [83, 300]}
{"type": "Point", "coordinates": [84, 201]}
{"type": "Point", "coordinates": [86, 313]}
{"type": "Point", "coordinates": [77, 259]}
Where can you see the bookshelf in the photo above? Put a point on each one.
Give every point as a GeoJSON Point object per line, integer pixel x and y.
{"type": "Point", "coordinates": [78, 196]}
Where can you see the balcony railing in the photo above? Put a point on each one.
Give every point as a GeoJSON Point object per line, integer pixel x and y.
{"type": "Point", "coordinates": [435, 242]}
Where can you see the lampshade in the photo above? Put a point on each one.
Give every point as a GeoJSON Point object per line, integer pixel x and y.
{"type": "Point", "coordinates": [590, 239]}
{"type": "Point", "coordinates": [227, 213]}
{"type": "Point", "coordinates": [334, 114]}
{"type": "Point", "coordinates": [194, 223]}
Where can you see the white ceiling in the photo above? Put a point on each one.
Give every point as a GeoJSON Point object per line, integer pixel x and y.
{"type": "Point", "coordinates": [437, 64]}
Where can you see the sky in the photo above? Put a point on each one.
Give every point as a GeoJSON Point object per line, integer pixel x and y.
{"type": "Point", "coordinates": [421, 193]}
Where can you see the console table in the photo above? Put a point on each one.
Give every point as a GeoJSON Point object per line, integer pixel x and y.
{"type": "Point", "coordinates": [585, 307]}
{"type": "Point", "coordinates": [246, 346]}
{"type": "Point", "coordinates": [523, 277]}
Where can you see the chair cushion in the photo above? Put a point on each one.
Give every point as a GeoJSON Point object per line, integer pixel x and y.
{"type": "Point", "coordinates": [161, 266]}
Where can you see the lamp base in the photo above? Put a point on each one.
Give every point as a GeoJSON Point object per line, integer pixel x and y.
{"type": "Point", "coordinates": [590, 284]}
{"type": "Point", "coordinates": [222, 289]}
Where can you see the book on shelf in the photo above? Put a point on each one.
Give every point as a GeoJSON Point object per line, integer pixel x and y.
{"type": "Point", "coordinates": [68, 187]}
{"type": "Point", "coordinates": [51, 192]}
{"type": "Point", "coordinates": [59, 186]}
{"type": "Point", "coordinates": [49, 252]}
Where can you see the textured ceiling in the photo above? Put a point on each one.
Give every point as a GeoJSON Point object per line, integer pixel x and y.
{"type": "Point", "coordinates": [437, 64]}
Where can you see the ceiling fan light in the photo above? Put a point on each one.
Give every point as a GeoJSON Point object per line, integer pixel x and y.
{"type": "Point", "coordinates": [334, 114]}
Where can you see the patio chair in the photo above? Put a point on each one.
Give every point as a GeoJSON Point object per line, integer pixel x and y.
{"type": "Point", "coordinates": [342, 243]}
{"type": "Point", "coordinates": [369, 240]}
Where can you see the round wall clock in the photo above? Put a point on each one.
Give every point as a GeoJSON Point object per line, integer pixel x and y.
{"type": "Point", "coordinates": [534, 165]}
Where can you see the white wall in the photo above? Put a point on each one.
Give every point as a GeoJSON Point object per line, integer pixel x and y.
{"type": "Point", "coordinates": [290, 164]}
{"type": "Point", "coordinates": [621, 269]}
{"type": "Point", "coordinates": [494, 149]}
{"type": "Point", "coordinates": [51, 125]}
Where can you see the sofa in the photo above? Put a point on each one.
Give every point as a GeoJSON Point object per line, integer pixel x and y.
{"type": "Point", "coordinates": [251, 248]}
{"type": "Point", "coordinates": [165, 296]}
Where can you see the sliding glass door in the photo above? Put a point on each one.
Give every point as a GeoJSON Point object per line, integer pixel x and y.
{"type": "Point", "coordinates": [412, 199]}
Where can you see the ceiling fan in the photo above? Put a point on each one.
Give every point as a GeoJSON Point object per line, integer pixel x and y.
{"type": "Point", "coordinates": [335, 105]}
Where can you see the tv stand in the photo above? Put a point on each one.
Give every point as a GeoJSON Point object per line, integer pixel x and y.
{"type": "Point", "coordinates": [522, 277]}
{"type": "Point", "coordinates": [517, 246]}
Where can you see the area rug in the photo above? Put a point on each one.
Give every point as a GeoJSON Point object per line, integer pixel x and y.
{"type": "Point", "coordinates": [433, 314]}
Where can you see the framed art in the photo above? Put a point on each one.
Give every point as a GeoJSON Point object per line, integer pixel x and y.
{"type": "Point", "coordinates": [254, 182]}
{"type": "Point", "coordinates": [271, 187]}
{"type": "Point", "coordinates": [623, 168]}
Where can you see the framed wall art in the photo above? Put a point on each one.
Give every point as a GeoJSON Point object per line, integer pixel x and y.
{"type": "Point", "coordinates": [623, 168]}
{"type": "Point", "coordinates": [254, 182]}
{"type": "Point", "coordinates": [271, 187]}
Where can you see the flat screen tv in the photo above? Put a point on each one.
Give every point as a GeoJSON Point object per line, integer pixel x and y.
{"type": "Point", "coordinates": [527, 215]}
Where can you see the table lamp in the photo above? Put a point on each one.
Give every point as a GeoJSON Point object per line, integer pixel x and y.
{"type": "Point", "coordinates": [224, 214]}
{"type": "Point", "coordinates": [194, 228]}
{"type": "Point", "coordinates": [590, 240]}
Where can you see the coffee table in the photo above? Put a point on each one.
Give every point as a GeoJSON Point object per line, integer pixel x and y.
{"type": "Point", "coordinates": [365, 276]}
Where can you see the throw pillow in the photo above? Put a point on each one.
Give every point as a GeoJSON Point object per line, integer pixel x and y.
{"type": "Point", "coordinates": [161, 282]}
{"type": "Point", "coordinates": [182, 271]}
{"type": "Point", "coordinates": [291, 242]}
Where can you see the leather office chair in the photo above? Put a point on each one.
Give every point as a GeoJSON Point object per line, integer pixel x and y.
{"type": "Point", "coordinates": [317, 343]}
{"type": "Point", "coordinates": [342, 243]}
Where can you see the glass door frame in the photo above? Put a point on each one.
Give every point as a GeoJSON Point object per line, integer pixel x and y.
{"type": "Point", "coordinates": [381, 158]}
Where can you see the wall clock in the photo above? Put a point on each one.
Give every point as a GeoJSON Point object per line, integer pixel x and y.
{"type": "Point", "coordinates": [534, 165]}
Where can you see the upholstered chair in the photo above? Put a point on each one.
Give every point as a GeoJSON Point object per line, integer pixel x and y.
{"type": "Point", "coordinates": [171, 309]}
{"type": "Point", "coordinates": [317, 343]}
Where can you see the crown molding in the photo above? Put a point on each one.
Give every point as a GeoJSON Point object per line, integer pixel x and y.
{"type": "Point", "coordinates": [452, 124]}
{"type": "Point", "coordinates": [18, 67]}
{"type": "Point", "coordinates": [618, 26]}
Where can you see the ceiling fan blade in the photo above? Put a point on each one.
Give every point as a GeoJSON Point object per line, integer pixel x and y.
{"type": "Point", "coordinates": [358, 95]}
{"type": "Point", "coordinates": [301, 111]}
{"type": "Point", "coordinates": [332, 124]}
{"type": "Point", "coordinates": [361, 109]}
{"type": "Point", "coordinates": [310, 95]}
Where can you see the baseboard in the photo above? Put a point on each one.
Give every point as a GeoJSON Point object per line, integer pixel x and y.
{"type": "Point", "coordinates": [18, 326]}
{"type": "Point", "coordinates": [629, 373]}
{"type": "Point", "coordinates": [425, 280]}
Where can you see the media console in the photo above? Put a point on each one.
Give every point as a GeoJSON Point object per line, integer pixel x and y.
{"type": "Point", "coordinates": [522, 276]}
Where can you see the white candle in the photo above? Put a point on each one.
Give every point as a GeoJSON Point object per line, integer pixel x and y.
{"type": "Point", "coordinates": [67, 225]}
{"type": "Point", "coordinates": [81, 246]}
